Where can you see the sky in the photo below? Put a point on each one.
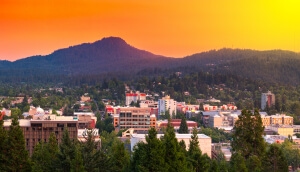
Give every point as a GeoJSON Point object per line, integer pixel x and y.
{"type": "Point", "coordinates": [174, 28]}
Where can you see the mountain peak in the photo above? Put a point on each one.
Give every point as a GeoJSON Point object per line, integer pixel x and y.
{"type": "Point", "coordinates": [112, 40]}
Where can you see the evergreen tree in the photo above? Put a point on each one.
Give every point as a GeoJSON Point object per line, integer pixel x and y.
{"type": "Point", "coordinates": [155, 152]}
{"type": "Point", "coordinates": [3, 148]}
{"type": "Point", "coordinates": [183, 129]}
{"type": "Point", "coordinates": [237, 163]}
{"type": "Point", "coordinates": [92, 157]}
{"type": "Point", "coordinates": [45, 155]}
{"type": "Point", "coordinates": [119, 157]}
{"type": "Point", "coordinates": [77, 162]}
{"type": "Point", "coordinates": [274, 160]}
{"type": "Point", "coordinates": [198, 161]}
{"type": "Point", "coordinates": [174, 157]}
{"type": "Point", "coordinates": [67, 153]}
{"type": "Point", "coordinates": [247, 136]}
{"type": "Point", "coordinates": [138, 158]}
{"type": "Point", "coordinates": [17, 156]}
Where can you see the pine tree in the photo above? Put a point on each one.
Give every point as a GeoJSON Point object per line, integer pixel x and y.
{"type": "Point", "coordinates": [247, 136]}
{"type": "Point", "coordinates": [274, 160]}
{"type": "Point", "coordinates": [119, 157]}
{"type": "Point", "coordinates": [77, 162]}
{"type": "Point", "coordinates": [237, 163]}
{"type": "Point", "coordinates": [45, 155]}
{"type": "Point", "coordinates": [17, 155]}
{"type": "Point", "coordinates": [92, 157]}
{"type": "Point", "coordinates": [155, 152]}
{"type": "Point", "coordinates": [67, 153]}
{"type": "Point", "coordinates": [174, 157]}
{"type": "Point", "coordinates": [198, 161]}
{"type": "Point", "coordinates": [183, 129]}
{"type": "Point", "coordinates": [3, 148]}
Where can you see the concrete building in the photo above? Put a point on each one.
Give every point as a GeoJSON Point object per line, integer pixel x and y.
{"type": "Point", "coordinates": [267, 99]}
{"type": "Point", "coordinates": [39, 130]}
{"type": "Point", "coordinates": [140, 119]}
{"type": "Point", "coordinates": [204, 141]}
{"type": "Point", "coordinates": [284, 130]}
{"type": "Point", "coordinates": [166, 104]}
{"type": "Point", "coordinates": [134, 97]}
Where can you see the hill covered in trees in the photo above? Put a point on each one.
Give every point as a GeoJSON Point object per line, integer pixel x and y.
{"type": "Point", "coordinates": [113, 57]}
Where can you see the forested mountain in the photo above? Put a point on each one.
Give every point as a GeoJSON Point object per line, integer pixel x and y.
{"type": "Point", "coordinates": [113, 57]}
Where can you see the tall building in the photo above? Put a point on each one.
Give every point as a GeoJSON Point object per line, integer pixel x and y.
{"type": "Point", "coordinates": [140, 119]}
{"type": "Point", "coordinates": [166, 104]}
{"type": "Point", "coordinates": [267, 99]}
{"type": "Point", "coordinates": [39, 130]}
{"type": "Point", "coordinates": [134, 97]}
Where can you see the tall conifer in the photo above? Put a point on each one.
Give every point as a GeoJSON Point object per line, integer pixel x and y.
{"type": "Point", "coordinates": [17, 155]}
{"type": "Point", "coordinates": [183, 129]}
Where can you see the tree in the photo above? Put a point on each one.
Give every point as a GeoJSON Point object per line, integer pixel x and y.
{"type": "Point", "coordinates": [17, 155]}
{"type": "Point", "coordinates": [119, 157]}
{"type": "Point", "coordinates": [237, 163]}
{"type": "Point", "coordinates": [67, 153]}
{"type": "Point", "coordinates": [149, 156]}
{"type": "Point", "coordinates": [247, 136]}
{"type": "Point", "coordinates": [183, 129]}
{"type": "Point", "coordinates": [198, 161]}
{"type": "Point", "coordinates": [174, 157]}
{"type": "Point", "coordinates": [3, 144]}
{"type": "Point", "coordinates": [92, 157]}
{"type": "Point", "coordinates": [275, 160]}
{"type": "Point", "coordinates": [291, 154]}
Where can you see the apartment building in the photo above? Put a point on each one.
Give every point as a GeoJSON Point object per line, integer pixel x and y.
{"type": "Point", "coordinates": [134, 97]}
{"type": "Point", "coordinates": [39, 130]}
{"type": "Point", "coordinates": [140, 119]}
{"type": "Point", "coordinates": [166, 104]}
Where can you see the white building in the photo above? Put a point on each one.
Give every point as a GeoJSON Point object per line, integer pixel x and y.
{"type": "Point", "coordinates": [166, 104]}
{"type": "Point", "coordinates": [134, 97]}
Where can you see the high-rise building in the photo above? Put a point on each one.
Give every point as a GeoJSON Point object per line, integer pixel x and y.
{"type": "Point", "coordinates": [134, 97]}
{"type": "Point", "coordinates": [267, 99]}
{"type": "Point", "coordinates": [166, 104]}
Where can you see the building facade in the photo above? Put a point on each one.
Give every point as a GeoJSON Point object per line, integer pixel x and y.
{"type": "Point", "coordinates": [166, 104]}
{"type": "Point", "coordinates": [134, 97]}
{"type": "Point", "coordinates": [36, 131]}
{"type": "Point", "coordinates": [267, 99]}
{"type": "Point", "coordinates": [140, 119]}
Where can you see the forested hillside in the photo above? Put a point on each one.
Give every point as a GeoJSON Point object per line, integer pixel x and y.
{"type": "Point", "coordinates": [113, 57]}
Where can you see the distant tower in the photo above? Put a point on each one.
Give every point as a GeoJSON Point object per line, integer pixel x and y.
{"type": "Point", "coordinates": [267, 99]}
{"type": "Point", "coordinates": [166, 104]}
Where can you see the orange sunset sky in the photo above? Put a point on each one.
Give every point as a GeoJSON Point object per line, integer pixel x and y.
{"type": "Point", "coordinates": [172, 28]}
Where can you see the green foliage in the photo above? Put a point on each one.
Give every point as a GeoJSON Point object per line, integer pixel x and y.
{"type": "Point", "coordinates": [197, 161]}
{"type": "Point", "coordinates": [247, 136]}
{"type": "Point", "coordinates": [44, 157]}
{"type": "Point", "coordinates": [68, 153]}
{"type": "Point", "coordinates": [174, 157]}
{"type": "Point", "coordinates": [3, 147]}
{"type": "Point", "coordinates": [237, 163]}
{"type": "Point", "coordinates": [183, 129]}
{"type": "Point", "coordinates": [149, 156]}
{"type": "Point", "coordinates": [17, 158]}
{"type": "Point", "coordinates": [217, 135]}
{"type": "Point", "coordinates": [275, 160]}
{"type": "Point", "coordinates": [93, 158]}
{"type": "Point", "coordinates": [119, 157]}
